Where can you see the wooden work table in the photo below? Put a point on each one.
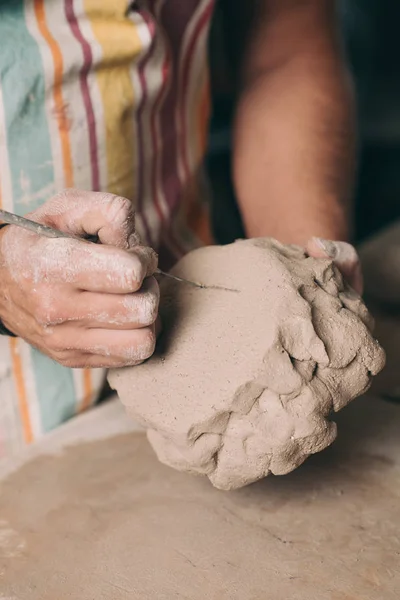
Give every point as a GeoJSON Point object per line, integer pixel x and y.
{"type": "Point", "coordinates": [90, 514]}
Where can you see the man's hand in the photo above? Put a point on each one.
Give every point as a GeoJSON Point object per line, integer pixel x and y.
{"type": "Point", "coordinates": [344, 256]}
{"type": "Point", "coordinates": [81, 304]}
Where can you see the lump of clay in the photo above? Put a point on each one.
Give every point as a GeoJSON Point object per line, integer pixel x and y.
{"type": "Point", "coordinates": [244, 382]}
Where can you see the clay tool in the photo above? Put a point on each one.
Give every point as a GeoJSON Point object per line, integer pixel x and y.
{"type": "Point", "coordinates": [46, 231]}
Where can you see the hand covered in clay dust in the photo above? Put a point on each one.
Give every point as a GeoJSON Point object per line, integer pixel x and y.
{"type": "Point", "coordinates": [344, 256]}
{"type": "Point", "coordinates": [81, 304]}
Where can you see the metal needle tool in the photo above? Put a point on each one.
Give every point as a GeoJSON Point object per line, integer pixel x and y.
{"type": "Point", "coordinates": [44, 230]}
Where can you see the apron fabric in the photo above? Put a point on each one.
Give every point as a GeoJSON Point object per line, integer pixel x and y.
{"type": "Point", "coordinates": [103, 95]}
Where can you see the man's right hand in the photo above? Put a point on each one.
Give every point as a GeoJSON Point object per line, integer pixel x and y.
{"type": "Point", "coordinates": [81, 304]}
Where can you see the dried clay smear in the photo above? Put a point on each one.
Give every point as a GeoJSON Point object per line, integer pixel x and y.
{"type": "Point", "coordinates": [243, 384]}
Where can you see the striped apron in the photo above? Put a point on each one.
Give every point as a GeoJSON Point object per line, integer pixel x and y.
{"type": "Point", "coordinates": [104, 95]}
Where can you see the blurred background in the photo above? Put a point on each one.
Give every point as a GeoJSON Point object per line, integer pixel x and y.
{"type": "Point", "coordinates": [370, 29]}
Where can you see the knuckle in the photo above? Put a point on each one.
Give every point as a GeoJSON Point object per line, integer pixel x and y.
{"type": "Point", "coordinates": [118, 208]}
{"type": "Point", "coordinates": [119, 211]}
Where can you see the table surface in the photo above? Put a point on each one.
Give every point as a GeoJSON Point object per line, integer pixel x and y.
{"type": "Point", "coordinates": [90, 514]}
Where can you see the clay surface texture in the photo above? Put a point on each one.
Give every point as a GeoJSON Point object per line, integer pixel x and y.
{"type": "Point", "coordinates": [243, 384]}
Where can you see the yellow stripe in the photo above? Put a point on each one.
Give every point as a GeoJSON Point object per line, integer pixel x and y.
{"type": "Point", "coordinates": [63, 130]}
{"type": "Point", "coordinates": [120, 44]}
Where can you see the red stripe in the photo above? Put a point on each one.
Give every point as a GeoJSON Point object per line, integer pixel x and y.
{"type": "Point", "coordinates": [172, 240]}
{"type": "Point", "coordinates": [155, 114]}
{"type": "Point", "coordinates": [176, 17]}
{"type": "Point", "coordinates": [83, 80]}
{"type": "Point", "coordinates": [202, 23]}
{"type": "Point", "coordinates": [141, 72]}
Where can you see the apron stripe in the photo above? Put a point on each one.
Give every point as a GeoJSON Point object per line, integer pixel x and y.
{"type": "Point", "coordinates": [59, 104]}
{"type": "Point", "coordinates": [83, 78]}
{"type": "Point", "coordinates": [143, 137]}
{"type": "Point", "coordinates": [23, 402]}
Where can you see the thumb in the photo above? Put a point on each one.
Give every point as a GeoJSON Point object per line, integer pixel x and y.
{"type": "Point", "coordinates": [344, 256]}
{"type": "Point", "coordinates": [82, 213]}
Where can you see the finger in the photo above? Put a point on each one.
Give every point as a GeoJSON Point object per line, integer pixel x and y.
{"type": "Point", "coordinates": [84, 360]}
{"type": "Point", "coordinates": [127, 346]}
{"type": "Point", "coordinates": [81, 213]}
{"type": "Point", "coordinates": [344, 256]}
{"type": "Point", "coordinates": [100, 362]}
{"type": "Point", "coordinates": [122, 347]}
{"type": "Point", "coordinates": [112, 311]}
{"type": "Point", "coordinates": [90, 267]}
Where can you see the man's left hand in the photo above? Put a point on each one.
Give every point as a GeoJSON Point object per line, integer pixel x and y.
{"type": "Point", "coordinates": [344, 256]}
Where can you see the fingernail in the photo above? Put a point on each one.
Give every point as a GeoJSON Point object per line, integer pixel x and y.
{"type": "Point", "coordinates": [330, 248]}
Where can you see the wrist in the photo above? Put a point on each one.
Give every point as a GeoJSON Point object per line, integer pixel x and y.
{"type": "Point", "coordinates": [295, 222]}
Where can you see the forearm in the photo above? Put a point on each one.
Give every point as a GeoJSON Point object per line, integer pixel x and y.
{"type": "Point", "coordinates": [294, 154]}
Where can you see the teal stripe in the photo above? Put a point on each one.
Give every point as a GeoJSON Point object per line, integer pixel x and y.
{"type": "Point", "coordinates": [31, 166]}
{"type": "Point", "coordinates": [55, 389]}
{"type": "Point", "coordinates": [23, 88]}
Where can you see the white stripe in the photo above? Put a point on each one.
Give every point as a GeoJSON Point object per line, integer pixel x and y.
{"type": "Point", "coordinates": [153, 77]}
{"type": "Point", "coordinates": [5, 179]}
{"type": "Point", "coordinates": [11, 437]}
{"type": "Point", "coordinates": [77, 375]}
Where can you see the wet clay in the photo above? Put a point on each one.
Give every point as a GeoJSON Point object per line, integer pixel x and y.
{"type": "Point", "coordinates": [243, 383]}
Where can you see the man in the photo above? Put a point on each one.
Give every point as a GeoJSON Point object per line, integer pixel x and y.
{"type": "Point", "coordinates": [98, 95]}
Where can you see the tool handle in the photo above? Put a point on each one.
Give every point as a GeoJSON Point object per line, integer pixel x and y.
{"type": "Point", "coordinates": [40, 229]}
